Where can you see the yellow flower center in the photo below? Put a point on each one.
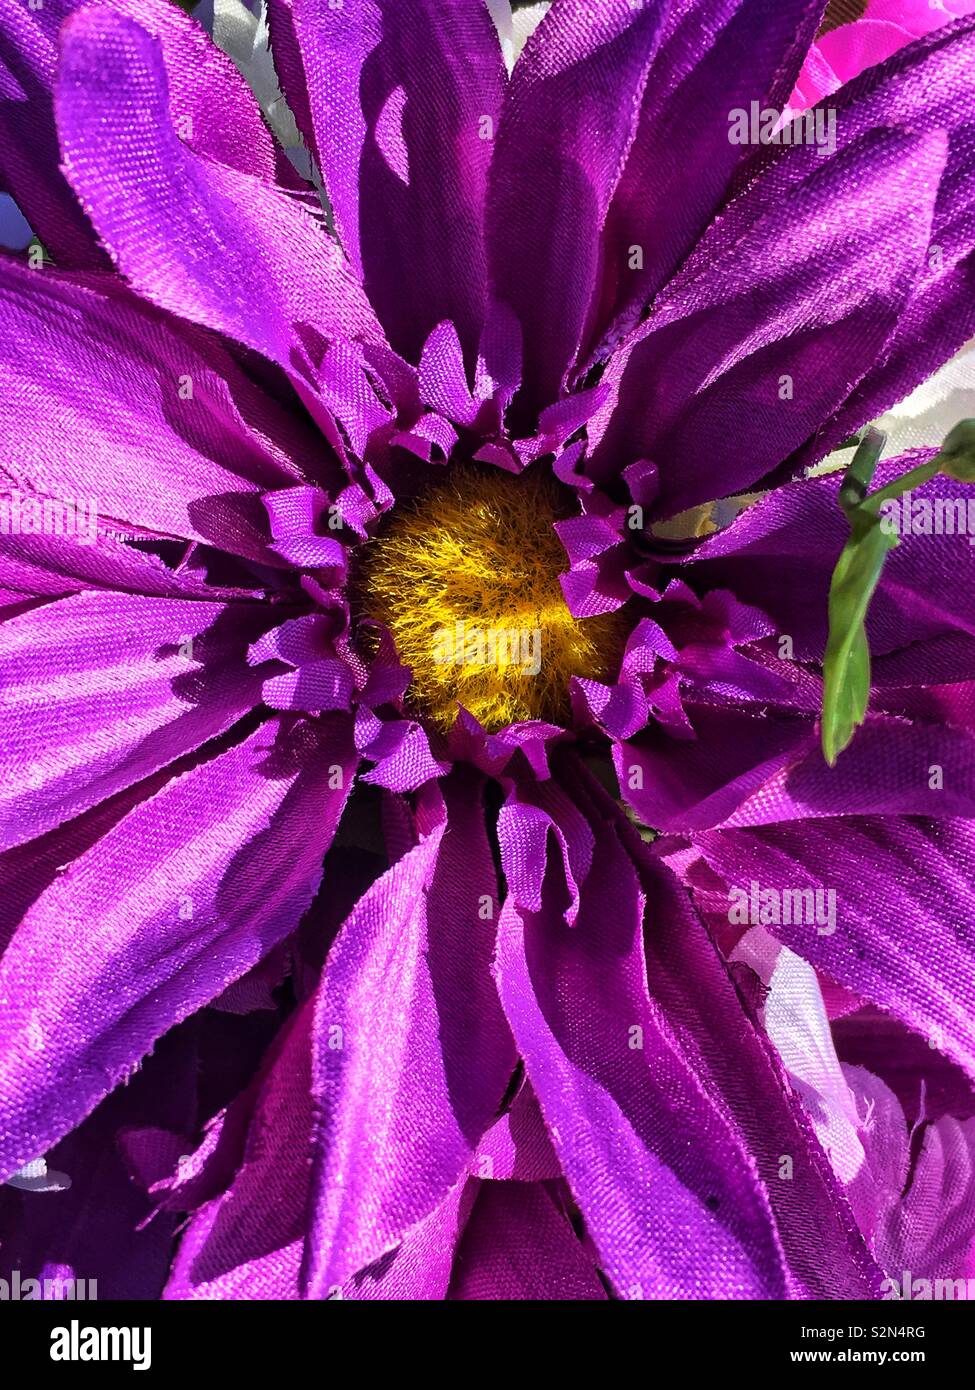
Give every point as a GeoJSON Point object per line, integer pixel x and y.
{"type": "Point", "coordinates": [466, 578]}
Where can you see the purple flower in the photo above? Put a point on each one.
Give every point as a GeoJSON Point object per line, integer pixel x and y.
{"type": "Point", "coordinates": [309, 741]}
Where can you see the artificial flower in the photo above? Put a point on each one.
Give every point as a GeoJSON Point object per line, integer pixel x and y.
{"type": "Point", "coordinates": [286, 805]}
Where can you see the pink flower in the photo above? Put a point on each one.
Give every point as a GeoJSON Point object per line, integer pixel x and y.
{"type": "Point", "coordinates": [887, 25]}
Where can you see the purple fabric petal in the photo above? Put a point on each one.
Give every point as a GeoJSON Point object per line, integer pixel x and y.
{"type": "Point", "coordinates": [843, 53]}
{"type": "Point", "coordinates": [55, 565]}
{"type": "Point", "coordinates": [247, 1241]}
{"type": "Point", "coordinates": [889, 769]}
{"type": "Point", "coordinates": [620, 710]}
{"type": "Point", "coordinates": [214, 110]}
{"type": "Point", "coordinates": [558, 422]}
{"type": "Point", "coordinates": [900, 933]}
{"type": "Point", "coordinates": [101, 690]}
{"type": "Point", "coordinates": [780, 553]}
{"type": "Point", "coordinates": [519, 1245]}
{"type": "Point", "coordinates": [96, 1231]}
{"type": "Point", "coordinates": [388, 679]}
{"type": "Point", "coordinates": [215, 113]}
{"type": "Point", "coordinates": [695, 783]}
{"type": "Point", "coordinates": [412, 1053]}
{"type": "Point", "coordinates": [743, 769]}
{"type": "Point", "coordinates": [205, 241]}
{"type": "Point", "coordinates": [443, 383]}
{"type": "Point", "coordinates": [27, 871]}
{"type": "Point", "coordinates": [421, 1266]}
{"type": "Point", "coordinates": [930, 1233]}
{"type": "Point", "coordinates": [923, 88]}
{"type": "Point", "coordinates": [671, 1201]}
{"type": "Point", "coordinates": [29, 154]}
{"type": "Point", "coordinates": [856, 1118]}
{"type": "Point", "coordinates": [402, 98]}
{"type": "Point", "coordinates": [756, 352]}
{"type": "Point", "coordinates": [583, 71]}
{"type": "Point", "coordinates": [927, 1084]}
{"type": "Point", "coordinates": [106, 401]}
{"type": "Point", "coordinates": [317, 686]}
{"type": "Point", "coordinates": [297, 516]}
{"type": "Point", "coordinates": [517, 1145]}
{"type": "Point", "coordinates": [693, 988]}
{"type": "Point", "coordinates": [525, 823]}
{"type": "Point", "coordinates": [430, 434]}
{"type": "Point", "coordinates": [347, 391]}
{"type": "Point", "coordinates": [715, 56]}
{"type": "Point", "coordinates": [400, 749]}
{"type": "Point", "coordinates": [181, 897]}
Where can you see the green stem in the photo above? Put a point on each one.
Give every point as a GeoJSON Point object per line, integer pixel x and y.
{"type": "Point", "coordinates": [905, 483]}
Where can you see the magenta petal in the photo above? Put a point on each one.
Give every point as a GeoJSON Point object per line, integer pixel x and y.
{"type": "Point", "coordinates": [698, 782]}
{"type": "Point", "coordinates": [755, 352]}
{"type": "Point", "coordinates": [105, 400]}
{"type": "Point", "coordinates": [671, 1200]}
{"type": "Point", "coordinates": [923, 88]}
{"type": "Point", "coordinates": [693, 987]}
{"type": "Point", "coordinates": [214, 109]}
{"type": "Point", "coordinates": [247, 1241]}
{"type": "Point", "coordinates": [298, 517]}
{"type": "Point", "coordinates": [56, 565]}
{"type": "Point", "coordinates": [205, 241]}
{"type": "Point", "coordinates": [320, 685]}
{"type": "Point", "coordinates": [412, 1053]}
{"type": "Point", "coordinates": [443, 383]}
{"type": "Point", "coordinates": [180, 898]}
{"type": "Point", "coordinates": [29, 154]}
{"type": "Point", "coordinates": [526, 823]}
{"type": "Point", "coordinates": [715, 56]}
{"type": "Point", "coordinates": [400, 99]}
{"type": "Point", "coordinates": [620, 710]}
{"type": "Point", "coordinates": [401, 751]}
{"type": "Point", "coordinates": [874, 1041]}
{"type": "Point", "coordinates": [780, 552]}
{"type": "Point", "coordinates": [30, 869]}
{"type": "Point", "coordinates": [552, 177]}
{"type": "Point", "coordinates": [518, 1244]}
{"type": "Point", "coordinates": [100, 690]}
{"type": "Point", "coordinates": [852, 48]}
{"type": "Point", "coordinates": [421, 1266]}
{"type": "Point", "coordinates": [517, 1145]}
{"type": "Point", "coordinates": [900, 935]}
{"type": "Point", "coordinates": [930, 1231]}
{"type": "Point", "coordinates": [744, 768]}
{"type": "Point", "coordinates": [925, 85]}
{"type": "Point", "coordinates": [98, 1230]}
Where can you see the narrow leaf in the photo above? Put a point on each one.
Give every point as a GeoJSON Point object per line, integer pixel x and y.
{"type": "Point", "coordinates": [846, 666]}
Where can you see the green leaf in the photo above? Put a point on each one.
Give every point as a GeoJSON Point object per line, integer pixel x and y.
{"type": "Point", "coordinates": [846, 666]}
{"type": "Point", "coordinates": [858, 475]}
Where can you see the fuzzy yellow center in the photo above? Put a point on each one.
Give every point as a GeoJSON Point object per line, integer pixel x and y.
{"type": "Point", "coordinates": [467, 581]}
